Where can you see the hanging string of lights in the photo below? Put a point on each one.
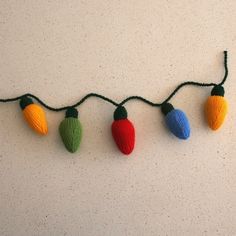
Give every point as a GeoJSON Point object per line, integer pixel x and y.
{"type": "Point", "coordinates": [123, 131]}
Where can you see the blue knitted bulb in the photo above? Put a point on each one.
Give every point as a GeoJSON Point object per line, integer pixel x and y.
{"type": "Point", "coordinates": [176, 121]}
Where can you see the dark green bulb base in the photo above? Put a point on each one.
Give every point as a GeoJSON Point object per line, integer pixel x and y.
{"type": "Point", "coordinates": [25, 101]}
{"type": "Point", "coordinates": [166, 108]}
{"type": "Point", "coordinates": [120, 113]}
{"type": "Point", "coordinates": [71, 112]}
{"type": "Point", "coordinates": [218, 90]}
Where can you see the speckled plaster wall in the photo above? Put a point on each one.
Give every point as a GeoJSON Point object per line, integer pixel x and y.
{"type": "Point", "coordinates": [61, 50]}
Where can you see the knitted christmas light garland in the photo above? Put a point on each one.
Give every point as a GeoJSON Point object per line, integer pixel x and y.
{"type": "Point", "coordinates": [123, 130]}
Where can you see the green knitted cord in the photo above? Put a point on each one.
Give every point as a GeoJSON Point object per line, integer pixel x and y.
{"type": "Point", "coordinates": [70, 130]}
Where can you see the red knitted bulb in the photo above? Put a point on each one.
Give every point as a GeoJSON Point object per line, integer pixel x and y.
{"type": "Point", "coordinates": [123, 133]}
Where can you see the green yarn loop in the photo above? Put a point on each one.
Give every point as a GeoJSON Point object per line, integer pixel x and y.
{"type": "Point", "coordinates": [70, 130]}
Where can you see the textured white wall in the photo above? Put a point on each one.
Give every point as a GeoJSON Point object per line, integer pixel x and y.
{"type": "Point", "coordinates": [61, 50]}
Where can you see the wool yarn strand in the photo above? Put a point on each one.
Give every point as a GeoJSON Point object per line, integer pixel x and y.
{"type": "Point", "coordinates": [109, 100]}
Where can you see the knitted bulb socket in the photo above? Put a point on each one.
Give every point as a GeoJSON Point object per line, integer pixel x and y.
{"type": "Point", "coordinates": [70, 130]}
{"type": "Point", "coordinates": [34, 115]}
{"type": "Point", "coordinates": [216, 108]}
{"type": "Point", "coordinates": [123, 131]}
{"type": "Point", "coordinates": [176, 121]}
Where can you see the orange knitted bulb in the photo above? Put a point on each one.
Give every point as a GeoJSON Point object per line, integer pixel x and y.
{"type": "Point", "coordinates": [34, 115]}
{"type": "Point", "coordinates": [216, 108]}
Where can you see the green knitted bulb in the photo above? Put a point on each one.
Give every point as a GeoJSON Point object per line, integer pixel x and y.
{"type": "Point", "coordinates": [71, 132]}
